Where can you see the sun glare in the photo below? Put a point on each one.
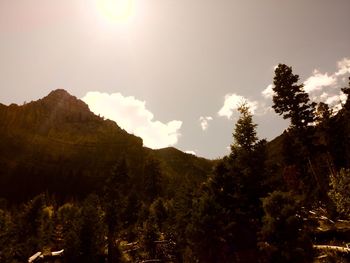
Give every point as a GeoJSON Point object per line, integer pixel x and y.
{"type": "Point", "coordinates": [116, 10]}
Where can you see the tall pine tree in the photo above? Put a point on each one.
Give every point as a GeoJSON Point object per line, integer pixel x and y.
{"type": "Point", "coordinates": [290, 99]}
{"type": "Point", "coordinates": [226, 214]}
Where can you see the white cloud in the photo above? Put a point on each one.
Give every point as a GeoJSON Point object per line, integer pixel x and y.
{"type": "Point", "coordinates": [268, 92]}
{"type": "Point", "coordinates": [132, 115]}
{"type": "Point", "coordinates": [333, 99]}
{"type": "Point", "coordinates": [343, 67]}
{"type": "Point", "coordinates": [191, 152]}
{"type": "Point", "coordinates": [232, 102]}
{"type": "Point", "coordinates": [204, 121]}
{"type": "Point", "coordinates": [336, 99]}
{"type": "Point", "coordinates": [318, 81]}
{"type": "Point", "coordinates": [325, 87]}
{"type": "Point", "coordinates": [324, 96]}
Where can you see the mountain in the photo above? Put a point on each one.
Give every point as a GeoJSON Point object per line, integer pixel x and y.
{"type": "Point", "coordinates": [184, 164]}
{"type": "Point", "coordinates": [57, 144]}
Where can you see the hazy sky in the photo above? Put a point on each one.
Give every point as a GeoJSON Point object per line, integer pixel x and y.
{"type": "Point", "coordinates": [172, 71]}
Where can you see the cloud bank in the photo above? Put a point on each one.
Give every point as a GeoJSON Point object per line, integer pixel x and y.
{"type": "Point", "coordinates": [132, 115]}
{"type": "Point", "coordinates": [343, 67]}
{"type": "Point", "coordinates": [325, 87]}
{"type": "Point", "coordinates": [232, 102]}
{"type": "Point", "coordinates": [268, 92]}
{"type": "Point", "coordinates": [318, 81]}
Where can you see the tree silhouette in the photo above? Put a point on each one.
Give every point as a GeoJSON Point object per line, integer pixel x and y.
{"type": "Point", "coordinates": [290, 99]}
{"type": "Point", "coordinates": [245, 130]}
{"type": "Point", "coordinates": [226, 214]}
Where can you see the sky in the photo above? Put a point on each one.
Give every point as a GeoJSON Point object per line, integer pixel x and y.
{"type": "Point", "coordinates": [174, 71]}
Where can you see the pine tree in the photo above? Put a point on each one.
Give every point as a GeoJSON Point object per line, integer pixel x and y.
{"type": "Point", "coordinates": [292, 102]}
{"type": "Point", "coordinates": [284, 236]}
{"type": "Point", "coordinates": [115, 190]}
{"type": "Point", "coordinates": [28, 226]}
{"type": "Point", "coordinates": [339, 192]}
{"type": "Point", "coordinates": [226, 214]}
{"type": "Point", "coordinates": [69, 217]}
{"type": "Point", "coordinates": [246, 162]}
{"type": "Point", "coordinates": [152, 179]}
{"type": "Point", "coordinates": [245, 131]}
{"type": "Point", "coordinates": [323, 113]}
{"type": "Point", "coordinates": [150, 234]}
{"type": "Point", "coordinates": [91, 230]}
{"type": "Point", "coordinates": [290, 99]}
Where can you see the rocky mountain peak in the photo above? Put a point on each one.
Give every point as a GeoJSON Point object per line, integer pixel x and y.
{"type": "Point", "coordinates": [59, 93]}
{"type": "Point", "coordinates": [62, 103]}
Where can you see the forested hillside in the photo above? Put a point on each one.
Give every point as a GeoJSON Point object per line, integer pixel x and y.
{"type": "Point", "coordinates": [58, 145]}
{"type": "Point", "coordinates": [74, 181]}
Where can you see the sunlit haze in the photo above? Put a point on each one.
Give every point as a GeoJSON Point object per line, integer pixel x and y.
{"type": "Point", "coordinates": [118, 11]}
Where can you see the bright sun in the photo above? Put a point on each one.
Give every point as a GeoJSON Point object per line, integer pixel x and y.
{"type": "Point", "coordinates": [116, 10]}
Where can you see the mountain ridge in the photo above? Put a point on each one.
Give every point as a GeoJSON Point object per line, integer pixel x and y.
{"type": "Point", "coordinates": [58, 139]}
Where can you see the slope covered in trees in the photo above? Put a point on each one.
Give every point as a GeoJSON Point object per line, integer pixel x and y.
{"type": "Point", "coordinates": [103, 197]}
{"type": "Point", "coordinates": [57, 144]}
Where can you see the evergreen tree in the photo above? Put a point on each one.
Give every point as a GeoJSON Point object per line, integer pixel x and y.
{"type": "Point", "coordinates": [180, 218]}
{"type": "Point", "coordinates": [246, 164]}
{"type": "Point", "coordinates": [284, 237]}
{"type": "Point", "coordinates": [245, 131]}
{"type": "Point", "coordinates": [226, 214]}
{"type": "Point", "coordinates": [208, 230]}
{"type": "Point", "coordinates": [323, 120]}
{"type": "Point", "coordinates": [150, 234]}
{"type": "Point", "coordinates": [6, 237]}
{"type": "Point", "coordinates": [69, 217]}
{"type": "Point", "coordinates": [290, 99]}
{"type": "Point", "coordinates": [130, 214]}
{"type": "Point", "coordinates": [91, 231]}
{"type": "Point", "coordinates": [46, 231]}
{"type": "Point", "coordinates": [292, 102]}
{"type": "Point", "coordinates": [27, 231]}
{"type": "Point", "coordinates": [339, 191]}
{"type": "Point", "coordinates": [158, 212]}
{"type": "Point", "coordinates": [152, 179]}
{"type": "Point", "coordinates": [323, 113]}
{"type": "Point", "coordinates": [115, 190]}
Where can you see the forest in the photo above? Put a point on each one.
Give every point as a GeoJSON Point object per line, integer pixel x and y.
{"type": "Point", "coordinates": [72, 181]}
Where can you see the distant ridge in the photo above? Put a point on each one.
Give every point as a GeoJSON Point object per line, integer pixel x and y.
{"type": "Point", "coordinates": [57, 144]}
